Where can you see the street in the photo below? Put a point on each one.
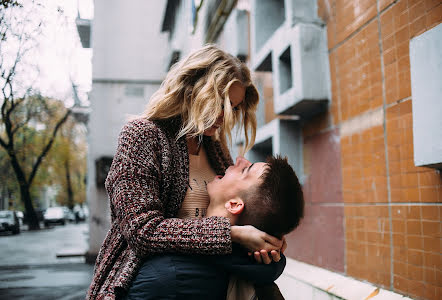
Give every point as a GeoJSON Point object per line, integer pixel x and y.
{"type": "Point", "coordinates": [30, 268]}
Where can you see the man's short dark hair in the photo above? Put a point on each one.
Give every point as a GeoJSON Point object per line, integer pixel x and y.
{"type": "Point", "coordinates": [276, 205]}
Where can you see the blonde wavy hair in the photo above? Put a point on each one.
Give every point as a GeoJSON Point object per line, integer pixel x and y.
{"type": "Point", "coordinates": [197, 89]}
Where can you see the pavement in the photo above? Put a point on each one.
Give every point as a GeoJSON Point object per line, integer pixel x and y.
{"type": "Point", "coordinates": [46, 264]}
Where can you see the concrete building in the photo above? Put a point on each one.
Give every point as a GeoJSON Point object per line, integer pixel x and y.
{"type": "Point", "coordinates": [344, 88]}
{"type": "Point", "coordinates": [128, 55]}
{"type": "Point", "coordinates": [336, 98]}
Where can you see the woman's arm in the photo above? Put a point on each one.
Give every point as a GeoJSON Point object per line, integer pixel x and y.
{"type": "Point", "coordinates": [137, 205]}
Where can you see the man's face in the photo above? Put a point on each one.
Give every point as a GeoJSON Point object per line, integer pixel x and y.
{"type": "Point", "coordinates": [239, 177]}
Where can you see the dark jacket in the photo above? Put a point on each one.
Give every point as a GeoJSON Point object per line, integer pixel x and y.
{"type": "Point", "coordinates": [183, 277]}
{"type": "Point", "coordinates": [146, 184]}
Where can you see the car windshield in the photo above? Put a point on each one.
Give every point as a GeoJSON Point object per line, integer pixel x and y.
{"type": "Point", "coordinates": [5, 214]}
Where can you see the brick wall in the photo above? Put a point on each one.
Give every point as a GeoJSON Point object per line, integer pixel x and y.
{"type": "Point", "coordinates": [383, 222]}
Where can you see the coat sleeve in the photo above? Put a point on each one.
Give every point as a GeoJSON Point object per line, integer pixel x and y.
{"type": "Point", "coordinates": [247, 268]}
{"type": "Point", "coordinates": [133, 185]}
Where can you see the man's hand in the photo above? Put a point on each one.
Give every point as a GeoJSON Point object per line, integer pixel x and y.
{"type": "Point", "coordinates": [259, 242]}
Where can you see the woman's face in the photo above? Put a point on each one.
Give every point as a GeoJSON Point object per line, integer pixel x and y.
{"type": "Point", "coordinates": [237, 93]}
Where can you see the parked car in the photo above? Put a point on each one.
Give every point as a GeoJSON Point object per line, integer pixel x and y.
{"type": "Point", "coordinates": [9, 221]}
{"type": "Point", "coordinates": [55, 215]}
{"type": "Point", "coordinates": [20, 216]}
{"type": "Point", "coordinates": [80, 213]}
{"type": "Point", "coordinates": [70, 216]}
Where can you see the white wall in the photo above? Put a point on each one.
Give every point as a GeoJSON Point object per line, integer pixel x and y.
{"type": "Point", "coordinates": [127, 39]}
{"type": "Point", "coordinates": [111, 108]}
{"type": "Point", "coordinates": [129, 51]}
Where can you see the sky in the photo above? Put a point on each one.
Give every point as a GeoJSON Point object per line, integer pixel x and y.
{"type": "Point", "coordinates": [57, 57]}
{"type": "Point", "coordinates": [62, 56]}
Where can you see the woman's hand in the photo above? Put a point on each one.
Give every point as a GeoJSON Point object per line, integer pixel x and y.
{"type": "Point", "coordinates": [259, 242]}
{"type": "Point", "coordinates": [275, 255]}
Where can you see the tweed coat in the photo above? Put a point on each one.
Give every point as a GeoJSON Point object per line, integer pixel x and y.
{"type": "Point", "coordinates": [146, 184]}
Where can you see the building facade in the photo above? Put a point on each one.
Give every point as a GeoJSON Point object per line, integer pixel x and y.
{"type": "Point", "coordinates": [127, 68]}
{"type": "Point", "coordinates": [349, 92]}
{"type": "Point", "coordinates": [335, 82]}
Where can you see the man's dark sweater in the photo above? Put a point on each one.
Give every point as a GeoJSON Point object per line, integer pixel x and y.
{"type": "Point", "coordinates": [176, 276]}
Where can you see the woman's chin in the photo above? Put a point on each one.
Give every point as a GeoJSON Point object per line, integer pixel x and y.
{"type": "Point", "coordinates": [211, 131]}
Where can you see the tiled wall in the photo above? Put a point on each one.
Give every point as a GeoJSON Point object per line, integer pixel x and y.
{"type": "Point", "coordinates": [383, 222]}
{"type": "Point", "coordinates": [320, 238]}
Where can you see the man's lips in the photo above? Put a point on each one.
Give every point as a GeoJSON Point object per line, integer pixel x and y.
{"type": "Point", "coordinates": [218, 177]}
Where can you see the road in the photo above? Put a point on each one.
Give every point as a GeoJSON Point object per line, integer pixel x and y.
{"type": "Point", "coordinates": [30, 269]}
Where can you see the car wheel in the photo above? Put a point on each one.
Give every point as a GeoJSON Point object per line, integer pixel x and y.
{"type": "Point", "coordinates": [16, 230]}
{"type": "Point", "coordinates": [46, 224]}
{"type": "Point", "coordinates": [63, 222]}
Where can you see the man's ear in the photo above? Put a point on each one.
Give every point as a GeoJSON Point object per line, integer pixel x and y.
{"type": "Point", "coordinates": [235, 206]}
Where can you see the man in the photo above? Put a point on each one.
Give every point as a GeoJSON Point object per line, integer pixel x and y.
{"type": "Point", "coordinates": [265, 195]}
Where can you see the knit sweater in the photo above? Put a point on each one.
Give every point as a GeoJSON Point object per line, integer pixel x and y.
{"type": "Point", "coordinates": [146, 184]}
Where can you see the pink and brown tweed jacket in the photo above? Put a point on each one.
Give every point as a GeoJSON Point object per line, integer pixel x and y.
{"type": "Point", "coordinates": [146, 184]}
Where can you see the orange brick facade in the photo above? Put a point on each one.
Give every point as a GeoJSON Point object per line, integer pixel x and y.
{"type": "Point", "coordinates": [390, 210]}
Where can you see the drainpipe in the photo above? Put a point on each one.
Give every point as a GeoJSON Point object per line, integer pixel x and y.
{"type": "Point", "coordinates": [222, 12]}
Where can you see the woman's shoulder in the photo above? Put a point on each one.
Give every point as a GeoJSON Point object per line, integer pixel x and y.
{"type": "Point", "coordinates": [142, 130]}
{"type": "Point", "coordinates": [146, 126]}
{"type": "Point", "coordinates": [140, 124]}
{"type": "Point", "coordinates": [140, 127]}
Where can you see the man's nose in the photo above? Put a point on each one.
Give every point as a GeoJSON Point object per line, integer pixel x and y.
{"type": "Point", "coordinates": [241, 161]}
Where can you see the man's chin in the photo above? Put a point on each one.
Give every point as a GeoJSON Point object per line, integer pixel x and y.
{"type": "Point", "coordinates": [213, 183]}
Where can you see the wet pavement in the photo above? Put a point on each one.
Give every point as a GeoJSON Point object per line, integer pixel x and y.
{"type": "Point", "coordinates": [30, 268]}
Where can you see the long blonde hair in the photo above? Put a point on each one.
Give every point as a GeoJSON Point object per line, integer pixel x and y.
{"type": "Point", "coordinates": [197, 89]}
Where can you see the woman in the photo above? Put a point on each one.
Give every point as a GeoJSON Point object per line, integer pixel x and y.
{"type": "Point", "coordinates": [202, 98]}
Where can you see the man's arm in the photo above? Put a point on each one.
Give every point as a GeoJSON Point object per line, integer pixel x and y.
{"type": "Point", "coordinates": [240, 264]}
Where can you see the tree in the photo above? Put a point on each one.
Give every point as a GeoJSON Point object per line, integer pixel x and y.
{"type": "Point", "coordinates": [22, 112]}
{"type": "Point", "coordinates": [8, 188]}
{"type": "Point", "coordinates": [67, 164]}
{"type": "Point", "coordinates": [64, 167]}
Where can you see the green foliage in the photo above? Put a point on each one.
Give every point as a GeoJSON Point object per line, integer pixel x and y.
{"type": "Point", "coordinates": [67, 164]}
{"type": "Point", "coordinates": [29, 123]}
{"type": "Point", "coordinates": [38, 116]}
